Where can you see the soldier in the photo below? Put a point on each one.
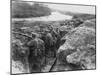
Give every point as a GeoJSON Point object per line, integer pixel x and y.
{"type": "Point", "coordinates": [56, 35]}
{"type": "Point", "coordinates": [51, 42]}
{"type": "Point", "coordinates": [48, 42]}
{"type": "Point", "coordinates": [36, 55]}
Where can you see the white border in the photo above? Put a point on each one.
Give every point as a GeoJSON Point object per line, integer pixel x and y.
{"type": "Point", "coordinates": [5, 36]}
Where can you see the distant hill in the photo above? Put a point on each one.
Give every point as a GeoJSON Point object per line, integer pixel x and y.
{"type": "Point", "coordinates": [25, 10]}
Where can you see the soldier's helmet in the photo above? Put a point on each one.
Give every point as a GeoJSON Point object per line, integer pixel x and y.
{"type": "Point", "coordinates": [34, 35]}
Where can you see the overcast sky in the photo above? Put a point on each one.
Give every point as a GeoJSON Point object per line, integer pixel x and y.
{"type": "Point", "coordinates": [71, 8]}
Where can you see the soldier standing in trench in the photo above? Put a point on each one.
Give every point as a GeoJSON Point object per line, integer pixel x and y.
{"type": "Point", "coordinates": [56, 37]}
{"type": "Point", "coordinates": [36, 53]}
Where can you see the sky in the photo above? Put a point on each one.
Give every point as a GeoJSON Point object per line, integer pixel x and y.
{"type": "Point", "coordinates": [71, 8]}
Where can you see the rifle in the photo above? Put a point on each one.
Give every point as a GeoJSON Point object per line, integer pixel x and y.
{"type": "Point", "coordinates": [22, 34]}
{"type": "Point", "coordinates": [54, 63]}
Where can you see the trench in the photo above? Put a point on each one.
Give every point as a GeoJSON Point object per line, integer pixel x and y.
{"type": "Point", "coordinates": [56, 66]}
{"type": "Point", "coordinates": [52, 64]}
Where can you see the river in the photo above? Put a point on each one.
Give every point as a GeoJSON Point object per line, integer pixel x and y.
{"type": "Point", "coordinates": [55, 16]}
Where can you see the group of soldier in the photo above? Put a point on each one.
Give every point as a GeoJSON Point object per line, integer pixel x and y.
{"type": "Point", "coordinates": [39, 47]}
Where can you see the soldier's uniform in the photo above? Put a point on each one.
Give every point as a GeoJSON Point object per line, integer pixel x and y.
{"type": "Point", "coordinates": [36, 55]}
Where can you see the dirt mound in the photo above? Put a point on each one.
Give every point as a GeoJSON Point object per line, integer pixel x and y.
{"type": "Point", "coordinates": [79, 43]}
